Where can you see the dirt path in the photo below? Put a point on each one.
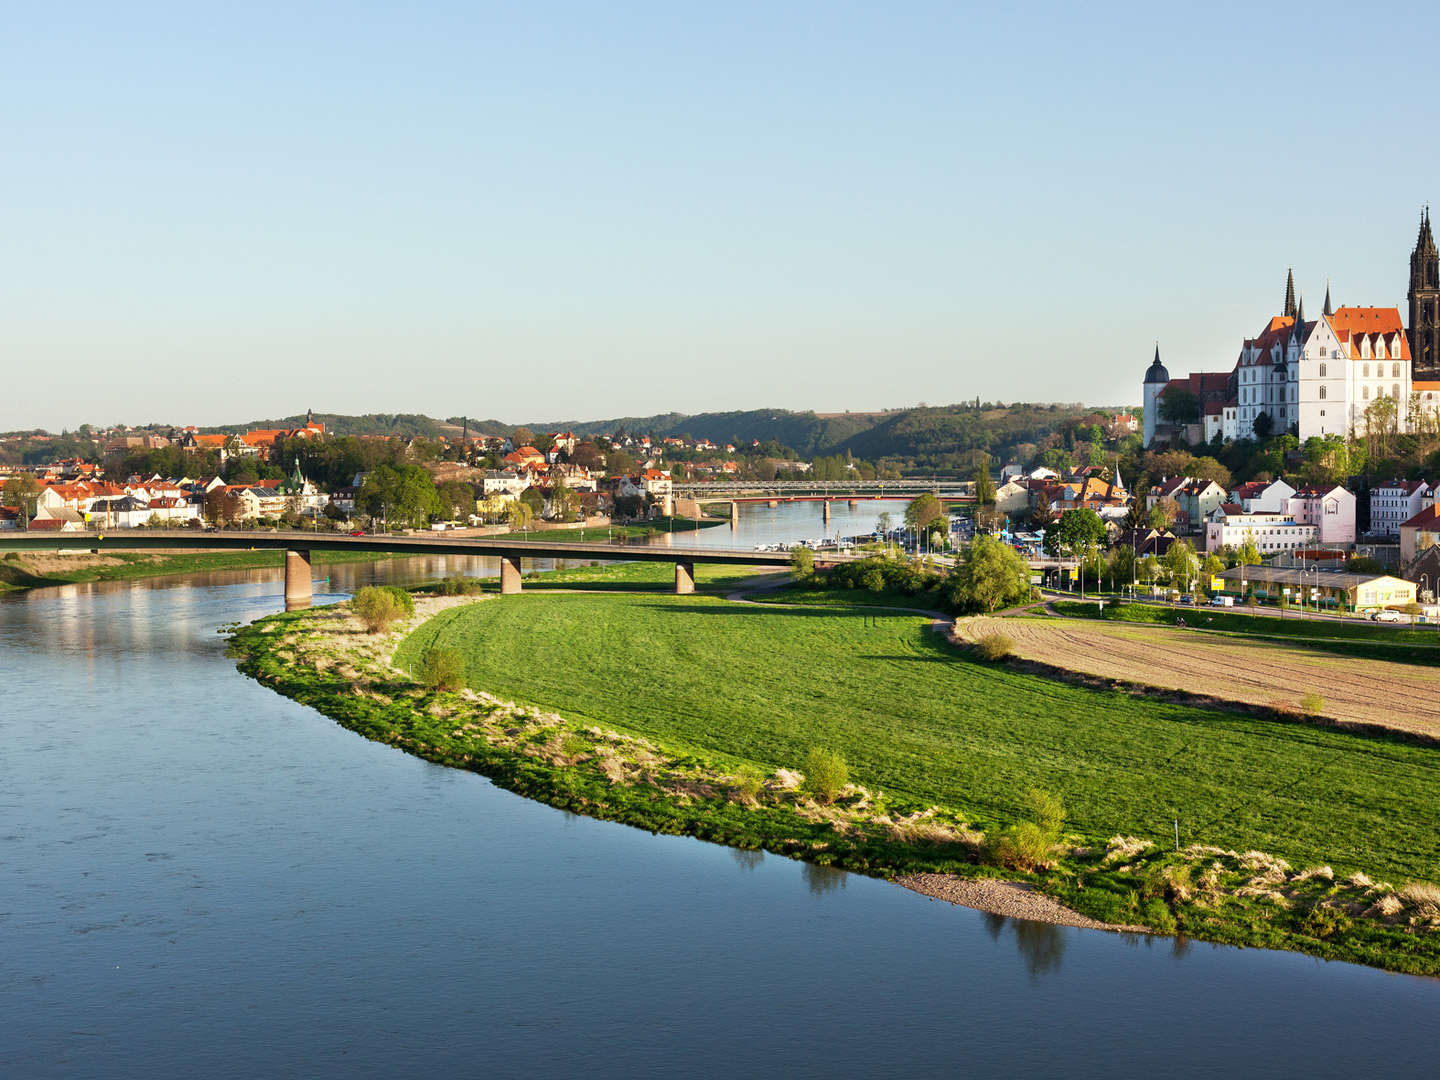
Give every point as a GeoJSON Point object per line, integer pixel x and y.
{"type": "Point", "coordinates": [1371, 692]}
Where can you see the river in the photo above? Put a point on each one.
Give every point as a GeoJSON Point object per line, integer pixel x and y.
{"type": "Point", "coordinates": [200, 877]}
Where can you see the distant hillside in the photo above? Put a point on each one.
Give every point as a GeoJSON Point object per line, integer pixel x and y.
{"type": "Point", "coordinates": [948, 437]}
{"type": "Point", "coordinates": [804, 432]}
{"type": "Point", "coordinates": [405, 424]}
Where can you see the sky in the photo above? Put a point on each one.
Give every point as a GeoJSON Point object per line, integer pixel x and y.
{"type": "Point", "coordinates": [219, 212]}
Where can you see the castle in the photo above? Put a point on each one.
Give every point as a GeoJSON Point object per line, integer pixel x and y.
{"type": "Point", "coordinates": [1335, 375]}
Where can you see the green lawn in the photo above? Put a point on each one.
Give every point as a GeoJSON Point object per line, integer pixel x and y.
{"type": "Point", "coordinates": [922, 721]}
{"type": "Point", "coordinates": [679, 526]}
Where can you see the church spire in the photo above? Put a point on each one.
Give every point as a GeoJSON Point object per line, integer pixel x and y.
{"type": "Point", "coordinates": [1289, 292]}
{"type": "Point", "coordinates": [1328, 309]}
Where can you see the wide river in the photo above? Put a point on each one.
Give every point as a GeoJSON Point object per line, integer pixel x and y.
{"type": "Point", "coordinates": [199, 877]}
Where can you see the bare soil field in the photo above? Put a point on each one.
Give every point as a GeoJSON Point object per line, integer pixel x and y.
{"type": "Point", "coordinates": [1371, 692]}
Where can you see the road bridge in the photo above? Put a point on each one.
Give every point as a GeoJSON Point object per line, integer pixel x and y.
{"type": "Point", "coordinates": [298, 545]}
{"type": "Point", "coordinates": [834, 489]}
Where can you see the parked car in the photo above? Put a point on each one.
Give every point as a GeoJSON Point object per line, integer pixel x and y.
{"type": "Point", "coordinates": [1386, 615]}
{"type": "Point", "coordinates": [357, 532]}
{"type": "Point", "coordinates": [1187, 599]}
{"type": "Point", "coordinates": [1222, 601]}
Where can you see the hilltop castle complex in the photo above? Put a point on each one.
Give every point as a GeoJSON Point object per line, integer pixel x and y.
{"type": "Point", "coordinates": [1351, 368]}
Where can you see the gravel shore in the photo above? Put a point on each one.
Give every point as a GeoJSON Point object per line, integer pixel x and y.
{"type": "Point", "coordinates": [1012, 899]}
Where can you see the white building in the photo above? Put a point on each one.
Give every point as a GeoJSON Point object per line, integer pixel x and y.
{"type": "Point", "coordinates": [1330, 509]}
{"type": "Point", "coordinates": [1263, 496]}
{"type": "Point", "coordinates": [1230, 526]}
{"type": "Point", "coordinates": [1396, 502]}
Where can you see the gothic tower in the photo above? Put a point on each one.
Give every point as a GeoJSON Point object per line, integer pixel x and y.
{"type": "Point", "coordinates": [1425, 304]}
{"type": "Point", "coordinates": [1289, 294]}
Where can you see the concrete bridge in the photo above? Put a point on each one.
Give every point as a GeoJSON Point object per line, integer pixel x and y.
{"type": "Point", "coordinates": [832, 489]}
{"type": "Point", "coordinates": [298, 545]}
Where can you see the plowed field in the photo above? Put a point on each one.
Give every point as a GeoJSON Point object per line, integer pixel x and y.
{"type": "Point", "coordinates": [1400, 696]}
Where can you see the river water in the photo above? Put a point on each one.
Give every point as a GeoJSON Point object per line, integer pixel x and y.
{"type": "Point", "coordinates": [200, 877]}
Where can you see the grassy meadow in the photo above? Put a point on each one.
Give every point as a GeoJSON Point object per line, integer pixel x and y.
{"type": "Point", "coordinates": [927, 723]}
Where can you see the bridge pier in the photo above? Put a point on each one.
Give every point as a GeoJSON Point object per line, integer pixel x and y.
{"type": "Point", "coordinates": [298, 590]}
{"type": "Point", "coordinates": [773, 503]}
{"type": "Point", "coordinates": [734, 514]}
{"type": "Point", "coordinates": [684, 578]}
{"type": "Point", "coordinates": [509, 574]}
{"type": "Point", "coordinates": [854, 503]}
{"type": "Point", "coordinates": [826, 513]}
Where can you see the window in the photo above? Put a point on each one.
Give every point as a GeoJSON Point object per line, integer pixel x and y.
{"type": "Point", "coordinates": [1322, 389]}
{"type": "Point", "coordinates": [1396, 389]}
{"type": "Point", "coordinates": [1365, 392]}
{"type": "Point", "coordinates": [1395, 373]}
{"type": "Point", "coordinates": [1367, 371]}
{"type": "Point", "coordinates": [1322, 375]}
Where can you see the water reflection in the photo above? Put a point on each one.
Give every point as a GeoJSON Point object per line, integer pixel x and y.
{"type": "Point", "coordinates": [823, 879]}
{"type": "Point", "coordinates": [746, 858]}
{"type": "Point", "coordinates": [1041, 944]}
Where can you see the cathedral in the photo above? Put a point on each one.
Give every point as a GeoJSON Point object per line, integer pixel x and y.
{"type": "Point", "coordinates": [1332, 375]}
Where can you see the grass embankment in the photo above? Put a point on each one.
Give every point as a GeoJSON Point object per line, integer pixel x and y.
{"type": "Point", "coordinates": [19, 571]}
{"type": "Point", "coordinates": [669, 701]}
{"type": "Point", "coordinates": [640, 530]}
{"type": "Point", "coordinates": [1376, 641]}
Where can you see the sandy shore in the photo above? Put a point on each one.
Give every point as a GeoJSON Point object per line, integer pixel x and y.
{"type": "Point", "coordinates": [1009, 898]}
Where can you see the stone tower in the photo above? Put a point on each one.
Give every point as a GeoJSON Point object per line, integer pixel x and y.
{"type": "Point", "coordinates": [1156, 377]}
{"type": "Point", "coordinates": [1425, 304]}
{"type": "Point", "coordinates": [1289, 293]}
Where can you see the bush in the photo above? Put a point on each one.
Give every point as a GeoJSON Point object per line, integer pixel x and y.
{"type": "Point", "coordinates": [459, 585]}
{"type": "Point", "coordinates": [995, 645]}
{"type": "Point", "coordinates": [380, 606]}
{"type": "Point", "coordinates": [1030, 845]}
{"type": "Point", "coordinates": [442, 669]}
{"type": "Point", "coordinates": [1325, 922]}
{"type": "Point", "coordinates": [1312, 704]}
{"type": "Point", "coordinates": [826, 774]}
{"type": "Point", "coordinates": [802, 563]}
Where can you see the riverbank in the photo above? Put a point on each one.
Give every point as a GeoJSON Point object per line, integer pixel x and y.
{"type": "Point", "coordinates": [730, 775]}
{"type": "Point", "coordinates": [20, 571]}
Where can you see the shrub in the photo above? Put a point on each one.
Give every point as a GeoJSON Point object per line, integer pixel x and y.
{"type": "Point", "coordinates": [1324, 922]}
{"type": "Point", "coordinates": [994, 645]}
{"type": "Point", "coordinates": [1030, 845]}
{"type": "Point", "coordinates": [458, 585]}
{"type": "Point", "coordinates": [442, 669]}
{"type": "Point", "coordinates": [802, 563]}
{"type": "Point", "coordinates": [1312, 704]}
{"type": "Point", "coordinates": [380, 606]}
{"type": "Point", "coordinates": [574, 746]}
{"type": "Point", "coordinates": [826, 774]}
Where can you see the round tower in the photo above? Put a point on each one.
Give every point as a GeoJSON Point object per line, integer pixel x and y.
{"type": "Point", "coordinates": [1155, 379]}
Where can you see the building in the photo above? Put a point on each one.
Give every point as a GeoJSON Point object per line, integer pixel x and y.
{"type": "Point", "coordinates": [1263, 496]}
{"type": "Point", "coordinates": [1419, 533]}
{"type": "Point", "coordinates": [1314, 377]}
{"type": "Point", "coordinates": [1197, 499]}
{"type": "Point", "coordinates": [1317, 586]}
{"type": "Point", "coordinates": [1424, 298]}
{"type": "Point", "coordinates": [1395, 502]}
{"type": "Point", "coordinates": [1230, 526]}
{"type": "Point", "coordinates": [1330, 509]}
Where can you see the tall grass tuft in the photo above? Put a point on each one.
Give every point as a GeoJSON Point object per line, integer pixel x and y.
{"type": "Point", "coordinates": [995, 645]}
{"type": "Point", "coordinates": [826, 774]}
{"type": "Point", "coordinates": [1312, 704]}
{"type": "Point", "coordinates": [749, 782]}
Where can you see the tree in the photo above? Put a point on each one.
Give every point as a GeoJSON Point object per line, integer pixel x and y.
{"type": "Point", "coordinates": [989, 575]}
{"type": "Point", "coordinates": [1179, 406]}
{"type": "Point", "coordinates": [1076, 531]}
{"type": "Point", "coordinates": [984, 486]}
{"type": "Point", "coordinates": [457, 498]}
{"type": "Point", "coordinates": [884, 523]}
{"type": "Point", "coordinates": [403, 494]}
{"type": "Point", "coordinates": [518, 514]}
{"type": "Point", "coordinates": [619, 463]}
{"type": "Point", "coordinates": [1122, 564]}
{"type": "Point", "coordinates": [22, 490]}
{"type": "Point", "coordinates": [923, 511]}
{"type": "Point", "coordinates": [1163, 514]}
{"type": "Point", "coordinates": [522, 436]}
{"type": "Point", "coordinates": [1182, 562]}
{"type": "Point", "coordinates": [1263, 425]}
{"type": "Point", "coordinates": [1247, 554]}
{"type": "Point", "coordinates": [802, 563]}
{"type": "Point", "coordinates": [562, 499]}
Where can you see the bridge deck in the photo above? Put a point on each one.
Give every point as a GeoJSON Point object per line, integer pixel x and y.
{"type": "Point", "coordinates": [299, 540]}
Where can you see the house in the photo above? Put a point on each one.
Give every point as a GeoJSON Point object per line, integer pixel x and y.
{"type": "Point", "coordinates": [1012, 497]}
{"type": "Point", "coordinates": [1418, 533]}
{"type": "Point", "coordinates": [1395, 502]}
{"type": "Point", "coordinates": [523, 457]}
{"type": "Point", "coordinates": [503, 482]}
{"type": "Point", "coordinates": [655, 482]}
{"type": "Point", "coordinates": [1230, 526]}
{"type": "Point", "coordinates": [1330, 509]}
{"type": "Point", "coordinates": [1197, 499]}
{"type": "Point", "coordinates": [1147, 541]}
{"type": "Point", "coordinates": [9, 517]}
{"type": "Point", "coordinates": [1262, 496]}
{"type": "Point", "coordinates": [1424, 571]}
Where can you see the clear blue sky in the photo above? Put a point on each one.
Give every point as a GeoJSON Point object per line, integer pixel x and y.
{"type": "Point", "coordinates": [218, 212]}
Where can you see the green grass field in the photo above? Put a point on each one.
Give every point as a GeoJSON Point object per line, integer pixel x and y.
{"type": "Point", "coordinates": [925, 723]}
{"type": "Point", "coordinates": [679, 526]}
